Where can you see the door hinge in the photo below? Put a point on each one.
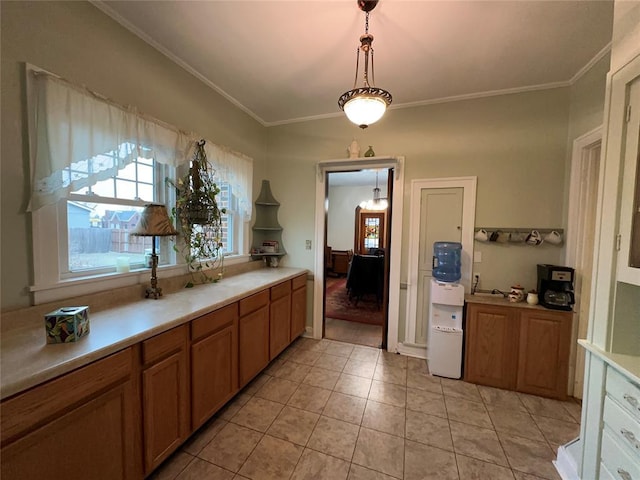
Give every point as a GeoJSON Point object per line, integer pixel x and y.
{"type": "Point", "coordinates": [628, 117]}
{"type": "Point", "coordinates": [618, 241]}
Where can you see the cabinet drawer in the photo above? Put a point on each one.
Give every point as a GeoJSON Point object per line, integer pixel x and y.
{"type": "Point", "coordinates": [605, 474]}
{"type": "Point", "coordinates": [214, 321]}
{"type": "Point", "coordinates": [616, 460]}
{"type": "Point", "coordinates": [254, 302]}
{"type": "Point", "coordinates": [625, 428]}
{"type": "Point", "coordinates": [280, 290]}
{"type": "Point", "coordinates": [162, 345]}
{"type": "Point", "coordinates": [624, 392]}
{"type": "Point", "coordinates": [299, 282]}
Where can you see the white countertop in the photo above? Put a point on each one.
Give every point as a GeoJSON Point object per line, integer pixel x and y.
{"type": "Point", "coordinates": [629, 365]}
{"type": "Point", "coordinates": [27, 360]}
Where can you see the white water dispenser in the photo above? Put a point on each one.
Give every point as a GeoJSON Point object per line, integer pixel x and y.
{"type": "Point", "coordinates": [445, 329]}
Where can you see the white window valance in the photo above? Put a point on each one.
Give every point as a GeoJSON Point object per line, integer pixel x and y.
{"type": "Point", "coordinates": [81, 137]}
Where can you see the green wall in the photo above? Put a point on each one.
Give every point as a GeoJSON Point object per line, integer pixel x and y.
{"type": "Point", "coordinates": [79, 42]}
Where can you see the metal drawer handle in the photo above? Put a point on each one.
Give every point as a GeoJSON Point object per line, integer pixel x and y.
{"type": "Point", "coordinates": [631, 438]}
{"type": "Point", "coordinates": [631, 400]}
{"type": "Point", "coordinates": [624, 475]}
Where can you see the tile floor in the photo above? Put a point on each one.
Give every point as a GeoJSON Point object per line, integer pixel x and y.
{"type": "Point", "coordinates": [353, 332]}
{"type": "Point", "coordinates": [335, 411]}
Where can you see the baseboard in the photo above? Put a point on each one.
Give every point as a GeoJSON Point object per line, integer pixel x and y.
{"type": "Point", "coordinates": [565, 463]}
{"type": "Point", "coordinates": [412, 350]}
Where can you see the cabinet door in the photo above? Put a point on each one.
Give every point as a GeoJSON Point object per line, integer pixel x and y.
{"type": "Point", "coordinates": [279, 325]}
{"type": "Point", "coordinates": [543, 362]}
{"type": "Point", "coordinates": [214, 373]}
{"type": "Point", "coordinates": [165, 395]}
{"type": "Point", "coordinates": [84, 424]}
{"type": "Point", "coordinates": [298, 307]}
{"type": "Point", "coordinates": [253, 339]}
{"type": "Point", "coordinates": [491, 345]}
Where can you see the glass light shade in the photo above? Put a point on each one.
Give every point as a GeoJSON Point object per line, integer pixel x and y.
{"type": "Point", "coordinates": [380, 204]}
{"type": "Point", "coordinates": [365, 109]}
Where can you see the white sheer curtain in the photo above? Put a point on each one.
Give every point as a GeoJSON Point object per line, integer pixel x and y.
{"type": "Point", "coordinates": [82, 138]}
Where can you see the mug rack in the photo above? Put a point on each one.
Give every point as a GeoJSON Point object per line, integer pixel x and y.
{"type": "Point", "coordinates": [522, 235]}
{"type": "Point", "coordinates": [542, 231]}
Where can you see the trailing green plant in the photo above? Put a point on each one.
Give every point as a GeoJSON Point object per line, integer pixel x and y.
{"type": "Point", "coordinates": [199, 219]}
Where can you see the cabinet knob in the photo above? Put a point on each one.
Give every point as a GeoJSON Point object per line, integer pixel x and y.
{"type": "Point", "coordinates": [633, 401]}
{"type": "Point", "coordinates": [624, 475]}
{"type": "Point", "coordinates": [631, 438]}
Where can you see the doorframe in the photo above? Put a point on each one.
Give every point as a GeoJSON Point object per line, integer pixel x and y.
{"type": "Point", "coordinates": [581, 158]}
{"type": "Point", "coordinates": [469, 187]}
{"type": "Point", "coordinates": [395, 257]}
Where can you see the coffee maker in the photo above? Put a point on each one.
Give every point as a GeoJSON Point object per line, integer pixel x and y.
{"type": "Point", "coordinates": [555, 287]}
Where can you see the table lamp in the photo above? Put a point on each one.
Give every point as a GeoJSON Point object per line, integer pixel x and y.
{"type": "Point", "coordinates": [154, 222]}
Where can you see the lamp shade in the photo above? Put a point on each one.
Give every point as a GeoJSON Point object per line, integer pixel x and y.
{"type": "Point", "coordinates": [154, 221]}
{"type": "Point", "coordinates": [365, 109]}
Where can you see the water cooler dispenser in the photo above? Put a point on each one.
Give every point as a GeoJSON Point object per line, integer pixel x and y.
{"type": "Point", "coordinates": [445, 311]}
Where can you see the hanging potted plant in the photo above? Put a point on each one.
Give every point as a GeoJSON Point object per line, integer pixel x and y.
{"type": "Point", "coordinates": [200, 219]}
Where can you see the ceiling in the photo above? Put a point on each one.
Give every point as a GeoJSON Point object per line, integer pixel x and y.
{"type": "Point", "coordinates": [289, 61]}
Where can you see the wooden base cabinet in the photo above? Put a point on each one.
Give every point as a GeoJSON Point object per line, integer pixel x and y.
{"type": "Point", "coordinates": [81, 425]}
{"type": "Point", "coordinates": [298, 306]}
{"type": "Point", "coordinates": [214, 362]}
{"type": "Point", "coordinates": [492, 346]}
{"type": "Point", "coordinates": [165, 395]}
{"type": "Point", "coordinates": [279, 319]}
{"type": "Point", "coordinates": [518, 348]}
{"type": "Point", "coordinates": [253, 336]}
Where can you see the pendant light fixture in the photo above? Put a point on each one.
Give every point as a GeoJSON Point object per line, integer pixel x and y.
{"type": "Point", "coordinates": [365, 105]}
{"type": "Point", "coordinates": [376, 203]}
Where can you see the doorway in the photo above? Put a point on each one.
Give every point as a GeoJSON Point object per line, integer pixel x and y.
{"type": "Point", "coordinates": [356, 240]}
{"type": "Point", "coordinates": [391, 290]}
{"type": "Point", "coordinates": [583, 192]}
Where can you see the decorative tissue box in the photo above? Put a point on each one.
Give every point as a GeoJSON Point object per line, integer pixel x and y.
{"type": "Point", "coordinates": [67, 324]}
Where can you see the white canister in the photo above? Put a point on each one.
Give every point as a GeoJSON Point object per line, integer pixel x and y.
{"type": "Point", "coordinates": [532, 298]}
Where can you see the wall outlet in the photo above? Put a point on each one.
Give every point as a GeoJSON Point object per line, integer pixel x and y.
{"type": "Point", "coordinates": [307, 244]}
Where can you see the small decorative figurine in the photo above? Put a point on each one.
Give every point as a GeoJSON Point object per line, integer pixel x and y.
{"type": "Point", "coordinates": [354, 149]}
{"type": "Point", "coordinates": [370, 152]}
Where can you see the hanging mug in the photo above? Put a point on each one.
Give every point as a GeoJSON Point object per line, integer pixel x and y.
{"type": "Point", "coordinates": [534, 238]}
{"type": "Point", "coordinates": [553, 237]}
{"type": "Point", "coordinates": [482, 235]}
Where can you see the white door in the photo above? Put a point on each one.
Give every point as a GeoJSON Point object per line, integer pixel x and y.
{"type": "Point", "coordinates": [440, 221]}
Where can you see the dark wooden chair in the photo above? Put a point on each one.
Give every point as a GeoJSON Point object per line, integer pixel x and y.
{"type": "Point", "coordinates": [366, 277]}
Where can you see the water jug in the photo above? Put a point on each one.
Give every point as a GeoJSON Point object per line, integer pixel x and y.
{"type": "Point", "coordinates": [446, 261]}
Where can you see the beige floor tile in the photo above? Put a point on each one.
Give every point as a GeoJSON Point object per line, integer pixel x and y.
{"type": "Point", "coordinates": [274, 366]}
{"type": "Point", "coordinates": [255, 384]}
{"type": "Point", "coordinates": [476, 442]}
{"type": "Point", "coordinates": [312, 399]}
{"type": "Point", "coordinates": [426, 402]}
{"type": "Point", "coordinates": [312, 344]}
{"type": "Point", "coordinates": [294, 425]}
{"type": "Point", "coordinates": [526, 476]}
{"type": "Point", "coordinates": [528, 456]}
{"type": "Point", "coordinates": [331, 362]}
{"type": "Point", "coordinates": [466, 411]}
{"type": "Point", "coordinates": [320, 377]}
{"type": "Point", "coordinates": [318, 466]}
{"type": "Point", "coordinates": [502, 399]}
{"type": "Point", "coordinates": [172, 466]}
{"type": "Point", "coordinates": [472, 469]}
{"type": "Point", "coordinates": [353, 385]}
{"type": "Point", "coordinates": [306, 357]}
{"type": "Point", "coordinates": [511, 422]}
{"type": "Point", "coordinates": [340, 349]}
{"type": "Point", "coordinates": [384, 418]}
{"type": "Point", "coordinates": [257, 414]}
{"type": "Point", "coordinates": [334, 437]}
{"type": "Point", "coordinates": [389, 393]}
{"type": "Point", "coordinates": [388, 374]}
{"type": "Point", "coordinates": [292, 371]}
{"type": "Point", "coordinates": [365, 354]}
{"type": "Point", "coordinates": [231, 447]}
{"type": "Point", "coordinates": [232, 407]}
{"type": "Point", "coordinates": [277, 390]}
{"type": "Point", "coordinates": [356, 472]}
{"type": "Point", "coordinates": [557, 432]}
{"type": "Point", "coordinates": [460, 389]}
{"type": "Point", "coordinates": [423, 462]}
{"type": "Point", "coordinates": [203, 436]}
{"type": "Point", "coordinates": [545, 407]}
{"type": "Point", "coordinates": [392, 359]}
{"type": "Point", "coordinates": [361, 368]}
{"type": "Point", "coordinates": [345, 407]}
{"type": "Point", "coordinates": [380, 452]}
{"type": "Point", "coordinates": [574, 408]}
{"type": "Point", "coordinates": [202, 470]}
{"type": "Point", "coordinates": [272, 459]}
{"type": "Point", "coordinates": [418, 365]}
{"type": "Point", "coordinates": [428, 429]}
{"type": "Point", "coordinates": [423, 381]}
